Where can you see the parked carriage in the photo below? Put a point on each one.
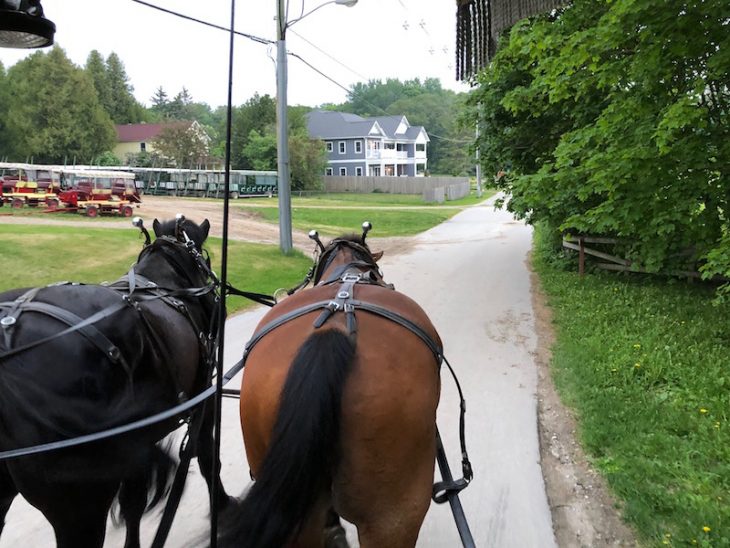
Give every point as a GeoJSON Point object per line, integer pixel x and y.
{"type": "Point", "coordinates": [29, 185]}
{"type": "Point", "coordinates": [92, 192]}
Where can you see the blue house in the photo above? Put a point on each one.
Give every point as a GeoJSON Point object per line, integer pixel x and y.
{"type": "Point", "coordinates": [385, 146]}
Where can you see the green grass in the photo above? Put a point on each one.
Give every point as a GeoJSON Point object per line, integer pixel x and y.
{"type": "Point", "coordinates": [645, 362]}
{"type": "Point", "coordinates": [37, 255]}
{"type": "Point", "coordinates": [333, 222]}
{"type": "Point", "coordinates": [375, 199]}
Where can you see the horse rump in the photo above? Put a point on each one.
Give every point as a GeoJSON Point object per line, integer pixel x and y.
{"type": "Point", "coordinates": [302, 455]}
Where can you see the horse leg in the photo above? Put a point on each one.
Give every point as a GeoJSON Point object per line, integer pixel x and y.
{"type": "Point", "coordinates": [132, 504]}
{"type": "Point", "coordinates": [8, 492]}
{"type": "Point", "coordinates": [206, 456]}
{"type": "Point", "coordinates": [77, 512]}
{"type": "Point", "coordinates": [335, 535]}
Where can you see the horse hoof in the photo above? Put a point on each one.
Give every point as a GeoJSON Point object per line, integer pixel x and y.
{"type": "Point", "coordinates": [335, 537]}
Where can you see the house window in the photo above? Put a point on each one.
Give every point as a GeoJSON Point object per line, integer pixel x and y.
{"type": "Point", "coordinates": [358, 171]}
{"type": "Point", "coordinates": [358, 147]}
{"type": "Point", "coordinates": [330, 146]}
{"type": "Point", "coordinates": [342, 147]}
{"type": "Point", "coordinates": [328, 171]}
{"type": "Point", "coordinates": [343, 171]}
{"type": "Point", "coordinates": [143, 147]}
{"type": "Point", "coordinates": [421, 147]}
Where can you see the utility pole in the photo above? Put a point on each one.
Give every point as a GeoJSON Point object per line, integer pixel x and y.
{"type": "Point", "coordinates": [282, 136]}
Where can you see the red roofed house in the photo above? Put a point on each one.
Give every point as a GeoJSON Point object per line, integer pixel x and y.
{"type": "Point", "coordinates": [136, 138]}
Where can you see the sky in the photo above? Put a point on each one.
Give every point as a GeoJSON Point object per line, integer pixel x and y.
{"type": "Point", "coordinates": [375, 39]}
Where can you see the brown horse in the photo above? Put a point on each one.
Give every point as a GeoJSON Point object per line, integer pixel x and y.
{"type": "Point", "coordinates": [338, 410]}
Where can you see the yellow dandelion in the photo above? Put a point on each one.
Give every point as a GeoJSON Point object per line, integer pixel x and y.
{"type": "Point", "coordinates": [637, 346]}
{"type": "Point", "coordinates": [637, 365]}
{"type": "Point", "coordinates": [614, 369]}
{"type": "Point", "coordinates": [703, 410]}
{"type": "Point", "coordinates": [665, 541]}
{"type": "Point", "coordinates": [706, 529]}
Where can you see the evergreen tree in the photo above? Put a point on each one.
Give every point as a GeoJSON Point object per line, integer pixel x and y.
{"type": "Point", "coordinates": [122, 107]}
{"type": "Point", "coordinates": [54, 113]}
{"type": "Point", "coordinates": [96, 69]}
{"type": "Point", "coordinates": [5, 137]}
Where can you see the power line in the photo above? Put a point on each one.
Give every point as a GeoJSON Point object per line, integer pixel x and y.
{"type": "Point", "coordinates": [328, 55]}
{"type": "Point", "coordinates": [206, 23]}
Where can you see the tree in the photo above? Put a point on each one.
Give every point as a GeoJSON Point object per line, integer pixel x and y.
{"type": "Point", "coordinates": [5, 137]}
{"type": "Point", "coordinates": [96, 69]}
{"type": "Point", "coordinates": [185, 144]}
{"type": "Point", "coordinates": [260, 151]}
{"type": "Point", "coordinates": [259, 114]}
{"type": "Point", "coordinates": [612, 117]}
{"type": "Point", "coordinates": [122, 106]}
{"type": "Point", "coordinates": [54, 114]}
{"type": "Point", "coordinates": [307, 161]}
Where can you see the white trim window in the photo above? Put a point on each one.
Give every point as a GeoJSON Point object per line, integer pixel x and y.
{"type": "Point", "coordinates": [358, 171]}
{"type": "Point", "coordinates": [343, 172]}
{"type": "Point", "coordinates": [358, 147]}
{"type": "Point", "coordinates": [343, 147]}
{"type": "Point", "coordinates": [330, 146]}
{"type": "Point", "coordinates": [328, 171]}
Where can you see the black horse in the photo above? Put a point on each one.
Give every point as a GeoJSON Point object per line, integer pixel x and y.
{"type": "Point", "coordinates": [79, 359]}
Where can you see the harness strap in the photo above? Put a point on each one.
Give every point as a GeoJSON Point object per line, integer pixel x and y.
{"type": "Point", "coordinates": [14, 312]}
{"type": "Point", "coordinates": [75, 323]}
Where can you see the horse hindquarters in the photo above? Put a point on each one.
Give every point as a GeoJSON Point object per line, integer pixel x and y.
{"type": "Point", "coordinates": [293, 481]}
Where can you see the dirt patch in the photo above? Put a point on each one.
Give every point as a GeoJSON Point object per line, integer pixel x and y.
{"type": "Point", "coordinates": [585, 514]}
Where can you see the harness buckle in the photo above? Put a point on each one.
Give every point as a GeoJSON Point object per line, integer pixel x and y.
{"type": "Point", "coordinates": [334, 306]}
{"type": "Point", "coordinates": [343, 295]}
{"type": "Point", "coordinates": [7, 321]}
{"type": "Point", "coordinates": [351, 278]}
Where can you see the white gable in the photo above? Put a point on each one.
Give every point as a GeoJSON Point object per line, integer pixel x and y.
{"type": "Point", "coordinates": [376, 130]}
{"type": "Point", "coordinates": [402, 127]}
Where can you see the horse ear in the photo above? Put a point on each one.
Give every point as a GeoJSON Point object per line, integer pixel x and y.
{"type": "Point", "coordinates": [156, 228]}
{"type": "Point", "coordinates": [377, 256]}
{"type": "Point", "coordinates": [205, 228]}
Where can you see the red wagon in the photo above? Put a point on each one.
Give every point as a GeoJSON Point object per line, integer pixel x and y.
{"type": "Point", "coordinates": [29, 185]}
{"type": "Point", "coordinates": [92, 192]}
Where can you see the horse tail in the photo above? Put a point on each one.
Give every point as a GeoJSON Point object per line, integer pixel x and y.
{"type": "Point", "coordinates": [149, 481]}
{"type": "Point", "coordinates": [303, 451]}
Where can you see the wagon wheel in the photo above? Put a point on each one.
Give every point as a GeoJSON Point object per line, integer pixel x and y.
{"type": "Point", "coordinates": [92, 211]}
{"type": "Point", "coordinates": [51, 204]}
{"type": "Point", "coordinates": [127, 211]}
{"type": "Point", "coordinates": [17, 203]}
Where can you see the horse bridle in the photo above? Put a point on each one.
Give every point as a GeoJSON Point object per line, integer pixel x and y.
{"type": "Point", "coordinates": [364, 260]}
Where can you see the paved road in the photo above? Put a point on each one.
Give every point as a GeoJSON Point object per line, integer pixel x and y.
{"type": "Point", "coordinates": [470, 275]}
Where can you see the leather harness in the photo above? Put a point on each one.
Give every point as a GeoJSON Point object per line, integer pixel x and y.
{"type": "Point", "coordinates": [348, 276]}
{"type": "Point", "coordinates": [134, 289]}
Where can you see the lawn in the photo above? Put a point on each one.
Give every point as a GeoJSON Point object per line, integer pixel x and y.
{"type": "Point", "coordinates": [37, 255]}
{"type": "Point", "coordinates": [335, 221]}
{"type": "Point", "coordinates": [645, 363]}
